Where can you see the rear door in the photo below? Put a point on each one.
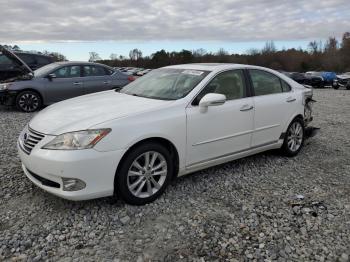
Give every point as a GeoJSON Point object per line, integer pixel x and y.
{"type": "Point", "coordinates": [67, 83]}
{"type": "Point", "coordinates": [96, 79]}
{"type": "Point", "coordinates": [274, 104]}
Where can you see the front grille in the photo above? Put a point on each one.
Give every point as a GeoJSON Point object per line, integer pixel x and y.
{"type": "Point", "coordinates": [44, 181]}
{"type": "Point", "coordinates": [30, 139]}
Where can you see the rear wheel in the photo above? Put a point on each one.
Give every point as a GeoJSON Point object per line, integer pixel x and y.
{"type": "Point", "coordinates": [28, 101]}
{"type": "Point", "coordinates": [144, 174]}
{"type": "Point", "coordinates": [294, 139]}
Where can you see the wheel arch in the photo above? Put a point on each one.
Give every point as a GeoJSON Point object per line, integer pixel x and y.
{"type": "Point", "coordinates": [159, 140]}
{"type": "Point", "coordinates": [32, 90]}
{"type": "Point", "coordinates": [295, 116]}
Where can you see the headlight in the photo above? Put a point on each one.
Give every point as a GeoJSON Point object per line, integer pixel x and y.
{"type": "Point", "coordinates": [77, 140]}
{"type": "Point", "coordinates": [5, 86]}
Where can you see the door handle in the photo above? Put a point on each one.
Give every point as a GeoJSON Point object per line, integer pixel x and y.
{"type": "Point", "coordinates": [291, 99]}
{"type": "Point", "coordinates": [77, 83]}
{"type": "Point", "coordinates": [246, 108]}
{"type": "Point", "coordinates": [107, 82]}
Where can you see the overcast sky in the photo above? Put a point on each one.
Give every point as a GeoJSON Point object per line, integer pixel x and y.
{"type": "Point", "coordinates": [45, 23]}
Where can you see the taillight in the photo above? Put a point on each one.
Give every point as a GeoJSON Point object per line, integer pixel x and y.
{"type": "Point", "coordinates": [131, 78]}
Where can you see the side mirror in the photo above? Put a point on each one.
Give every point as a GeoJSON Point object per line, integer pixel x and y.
{"type": "Point", "coordinates": [51, 76]}
{"type": "Point", "coordinates": [211, 99]}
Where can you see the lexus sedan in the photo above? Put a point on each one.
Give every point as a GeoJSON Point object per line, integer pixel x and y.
{"type": "Point", "coordinates": [171, 122]}
{"type": "Point", "coordinates": [55, 82]}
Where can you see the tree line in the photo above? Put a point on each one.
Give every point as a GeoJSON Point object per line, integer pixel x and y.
{"type": "Point", "coordinates": [333, 55]}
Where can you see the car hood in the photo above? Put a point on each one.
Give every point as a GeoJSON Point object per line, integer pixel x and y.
{"type": "Point", "coordinates": [87, 111]}
{"type": "Point", "coordinates": [15, 59]}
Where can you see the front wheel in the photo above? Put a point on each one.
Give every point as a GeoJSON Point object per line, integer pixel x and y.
{"type": "Point", "coordinates": [144, 174]}
{"type": "Point", "coordinates": [294, 139]}
{"type": "Point", "coordinates": [28, 101]}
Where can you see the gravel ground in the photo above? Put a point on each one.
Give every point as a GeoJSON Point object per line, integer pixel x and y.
{"type": "Point", "coordinates": [243, 210]}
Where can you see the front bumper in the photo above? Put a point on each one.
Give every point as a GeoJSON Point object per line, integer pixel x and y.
{"type": "Point", "coordinates": [46, 168]}
{"type": "Point", "coordinates": [7, 97]}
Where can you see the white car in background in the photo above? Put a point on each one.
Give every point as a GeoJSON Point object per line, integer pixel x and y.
{"type": "Point", "coordinates": [168, 123]}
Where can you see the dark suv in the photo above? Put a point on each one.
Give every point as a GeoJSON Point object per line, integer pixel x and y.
{"type": "Point", "coordinates": [314, 81]}
{"type": "Point", "coordinates": [10, 69]}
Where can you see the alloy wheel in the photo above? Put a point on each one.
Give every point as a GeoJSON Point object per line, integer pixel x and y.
{"type": "Point", "coordinates": [28, 102]}
{"type": "Point", "coordinates": [295, 136]}
{"type": "Point", "coordinates": [147, 174]}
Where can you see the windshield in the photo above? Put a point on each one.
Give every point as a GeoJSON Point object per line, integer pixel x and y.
{"type": "Point", "coordinates": [43, 71]}
{"type": "Point", "coordinates": [166, 84]}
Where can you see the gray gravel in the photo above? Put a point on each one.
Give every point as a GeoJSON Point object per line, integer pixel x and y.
{"type": "Point", "coordinates": [244, 210]}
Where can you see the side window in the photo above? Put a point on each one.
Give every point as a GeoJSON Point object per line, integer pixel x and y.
{"type": "Point", "coordinates": [265, 83]}
{"type": "Point", "coordinates": [68, 72]}
{"type": "Point", "coordinates": [94, 71]}
{"type": "Point", "coordinates": [229, 83]}
{"type": "Point", "coordinates": [109, 71]}
{"type": "Point", "coordinates": [285, 87]}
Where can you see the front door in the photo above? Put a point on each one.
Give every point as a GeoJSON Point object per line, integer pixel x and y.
{"type": "Point", "coordinates": [67, 83]}
{"type": "Point", "coordinates": [221, 130]}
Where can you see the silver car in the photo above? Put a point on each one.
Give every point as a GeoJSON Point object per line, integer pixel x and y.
{"type": "Point", "coordinates": [58, 81]}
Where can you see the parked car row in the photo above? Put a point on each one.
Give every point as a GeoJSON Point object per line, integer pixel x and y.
{"type": "Point", "coordinates": [133, 71]}
{"type": "Point", "coordinates": [307, 80]}
{"type": "Point", "coordinates": [29, 90]}
{"type": "Point", "coordinates": [321, 79]}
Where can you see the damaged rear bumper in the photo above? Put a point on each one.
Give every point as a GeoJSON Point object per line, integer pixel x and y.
{"type": "Point", "coordinates": [308, 104]}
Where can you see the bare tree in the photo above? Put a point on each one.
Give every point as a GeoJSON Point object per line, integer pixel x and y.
{"type": "Point", "coordinates": [331, 45]}
{"type": "Point", "coordinates": [269, 47]}
{"type": "Point", "coordinates": [113, 56]}
{"type": "Point", "coordinates": [199, 52]}
{"type": "Point", "coordinates": [94, 57]}
{"type": "Point", "coordinates": [314, 47]}
{"type": "Point", "coordinates": [135, 54]}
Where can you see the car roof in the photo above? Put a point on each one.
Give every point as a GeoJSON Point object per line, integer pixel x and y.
{"type": "Point", "coordinates": [66, 63]}
{"type": "Point", "coordinates": [214, 66]}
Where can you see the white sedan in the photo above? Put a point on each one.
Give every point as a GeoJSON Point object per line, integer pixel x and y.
{"type": "Point", "coordinates": [171, 122]}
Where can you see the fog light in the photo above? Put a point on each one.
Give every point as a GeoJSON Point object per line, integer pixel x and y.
{"type": "Point", "coordinates": [73, 184]}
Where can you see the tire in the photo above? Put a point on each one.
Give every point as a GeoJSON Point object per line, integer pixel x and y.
{"type": "Point", "coordinates": [336, 87]}
{"type": "Point", "coordinates": [294, 140]}
{"type": "Point", "coordinates": [28, 101]}
{"type": "Point", "coordinates": [133, 181]}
